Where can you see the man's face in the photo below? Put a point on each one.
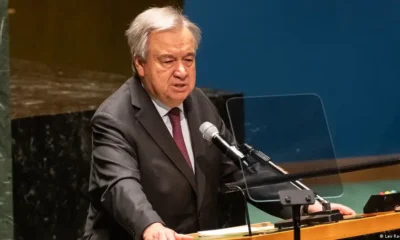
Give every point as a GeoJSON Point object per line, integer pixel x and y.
{"type": "Point", "coordinates": [169, 72]}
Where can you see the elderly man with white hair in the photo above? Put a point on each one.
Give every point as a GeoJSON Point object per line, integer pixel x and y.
{"type": "Point", "coordinates": [153, 176]}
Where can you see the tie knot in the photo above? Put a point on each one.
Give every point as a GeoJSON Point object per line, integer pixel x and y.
{"type": "Point", "coordinates": [175, 116]}
{"type": "Point", "coordinates": [176, 112]}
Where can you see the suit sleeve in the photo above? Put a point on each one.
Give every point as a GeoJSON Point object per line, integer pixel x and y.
{"type": "Point", "coordinates": [115, 178]}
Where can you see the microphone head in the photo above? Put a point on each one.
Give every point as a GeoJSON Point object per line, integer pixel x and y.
{"type": "Point", "coordinates": [208, 130]}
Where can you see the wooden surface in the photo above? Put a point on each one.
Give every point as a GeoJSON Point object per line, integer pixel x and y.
{"type": "Point", "coordinates": [368, 224]}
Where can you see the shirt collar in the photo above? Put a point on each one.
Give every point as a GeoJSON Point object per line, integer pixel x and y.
{"type": "Point", "coordinates": [161, 107]}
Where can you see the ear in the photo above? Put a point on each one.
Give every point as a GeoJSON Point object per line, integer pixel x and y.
{"type": "Point", "coordinates": [139, 65]}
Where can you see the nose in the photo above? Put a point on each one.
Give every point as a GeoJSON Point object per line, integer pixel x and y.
{"type": "Point", "coordinates": [180, 71]}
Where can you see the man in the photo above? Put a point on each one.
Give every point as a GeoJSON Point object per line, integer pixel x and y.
{"type": "Point", "coordinates": [153, 176]}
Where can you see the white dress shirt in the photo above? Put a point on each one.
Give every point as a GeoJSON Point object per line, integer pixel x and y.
{"type": "Point", "coordinates": [163, 111]}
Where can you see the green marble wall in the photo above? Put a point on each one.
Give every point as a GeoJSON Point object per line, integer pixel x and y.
{"type": "Point", "coordinates": [6, 210]}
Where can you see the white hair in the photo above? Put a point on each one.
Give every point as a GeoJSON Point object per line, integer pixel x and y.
{"type": "Point", "coordinates": [153, 20]}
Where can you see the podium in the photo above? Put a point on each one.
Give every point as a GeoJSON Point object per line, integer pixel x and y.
{"type": "Point", "coordinates": [384, 224]}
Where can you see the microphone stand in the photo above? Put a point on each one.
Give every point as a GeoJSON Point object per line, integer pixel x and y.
{"type": "Point", "coordinates": [296, 198]}
{"type": "Point", "coordinates": [264, 159]}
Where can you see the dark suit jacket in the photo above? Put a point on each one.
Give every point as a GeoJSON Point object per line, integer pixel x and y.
{"type": "Point", "coordinates": [138, 175]}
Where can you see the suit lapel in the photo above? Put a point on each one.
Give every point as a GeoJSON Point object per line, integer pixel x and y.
{"type": "Point", "coordinates": [198, 146]}
{"type": "Point", "coordinates": [154, 125]}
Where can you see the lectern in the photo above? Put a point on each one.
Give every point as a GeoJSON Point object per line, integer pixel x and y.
{"type": "Point", "coordinates": [383, 225]}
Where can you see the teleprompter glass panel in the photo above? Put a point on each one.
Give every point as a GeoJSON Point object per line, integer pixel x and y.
{"type": "Point", "coordinates": [289, 131]}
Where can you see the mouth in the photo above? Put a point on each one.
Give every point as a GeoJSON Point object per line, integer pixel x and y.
{"type": "Point", "coordinates": [180, 87]}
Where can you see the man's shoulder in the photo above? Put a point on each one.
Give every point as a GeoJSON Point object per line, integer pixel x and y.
{"type": "Point", "coordinates": [203, 103]}
{"type": "Point", "coordinates": [118, 101]}
{"type": "Point", "coordinates": [199, 96]}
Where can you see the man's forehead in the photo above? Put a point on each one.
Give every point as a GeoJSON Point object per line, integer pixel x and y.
{"type": "Point", "coordinates": [171, 39]}
{"type": "Point", "coordinates": [173, 51]}
{"type": "Point", "coordinates": [168, 50]}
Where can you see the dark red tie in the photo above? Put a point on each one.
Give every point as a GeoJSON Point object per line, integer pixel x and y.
{"type": "Point", "coordinates": [175, 118]}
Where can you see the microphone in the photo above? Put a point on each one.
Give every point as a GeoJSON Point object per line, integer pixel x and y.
{"type": "Point", "coordinates": [211, 134]}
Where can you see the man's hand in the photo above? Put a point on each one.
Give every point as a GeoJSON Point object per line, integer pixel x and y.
{"type": "Point", "coordinates": [157, 231]}
{"type": "Point", "coordinates": [317, 207]}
